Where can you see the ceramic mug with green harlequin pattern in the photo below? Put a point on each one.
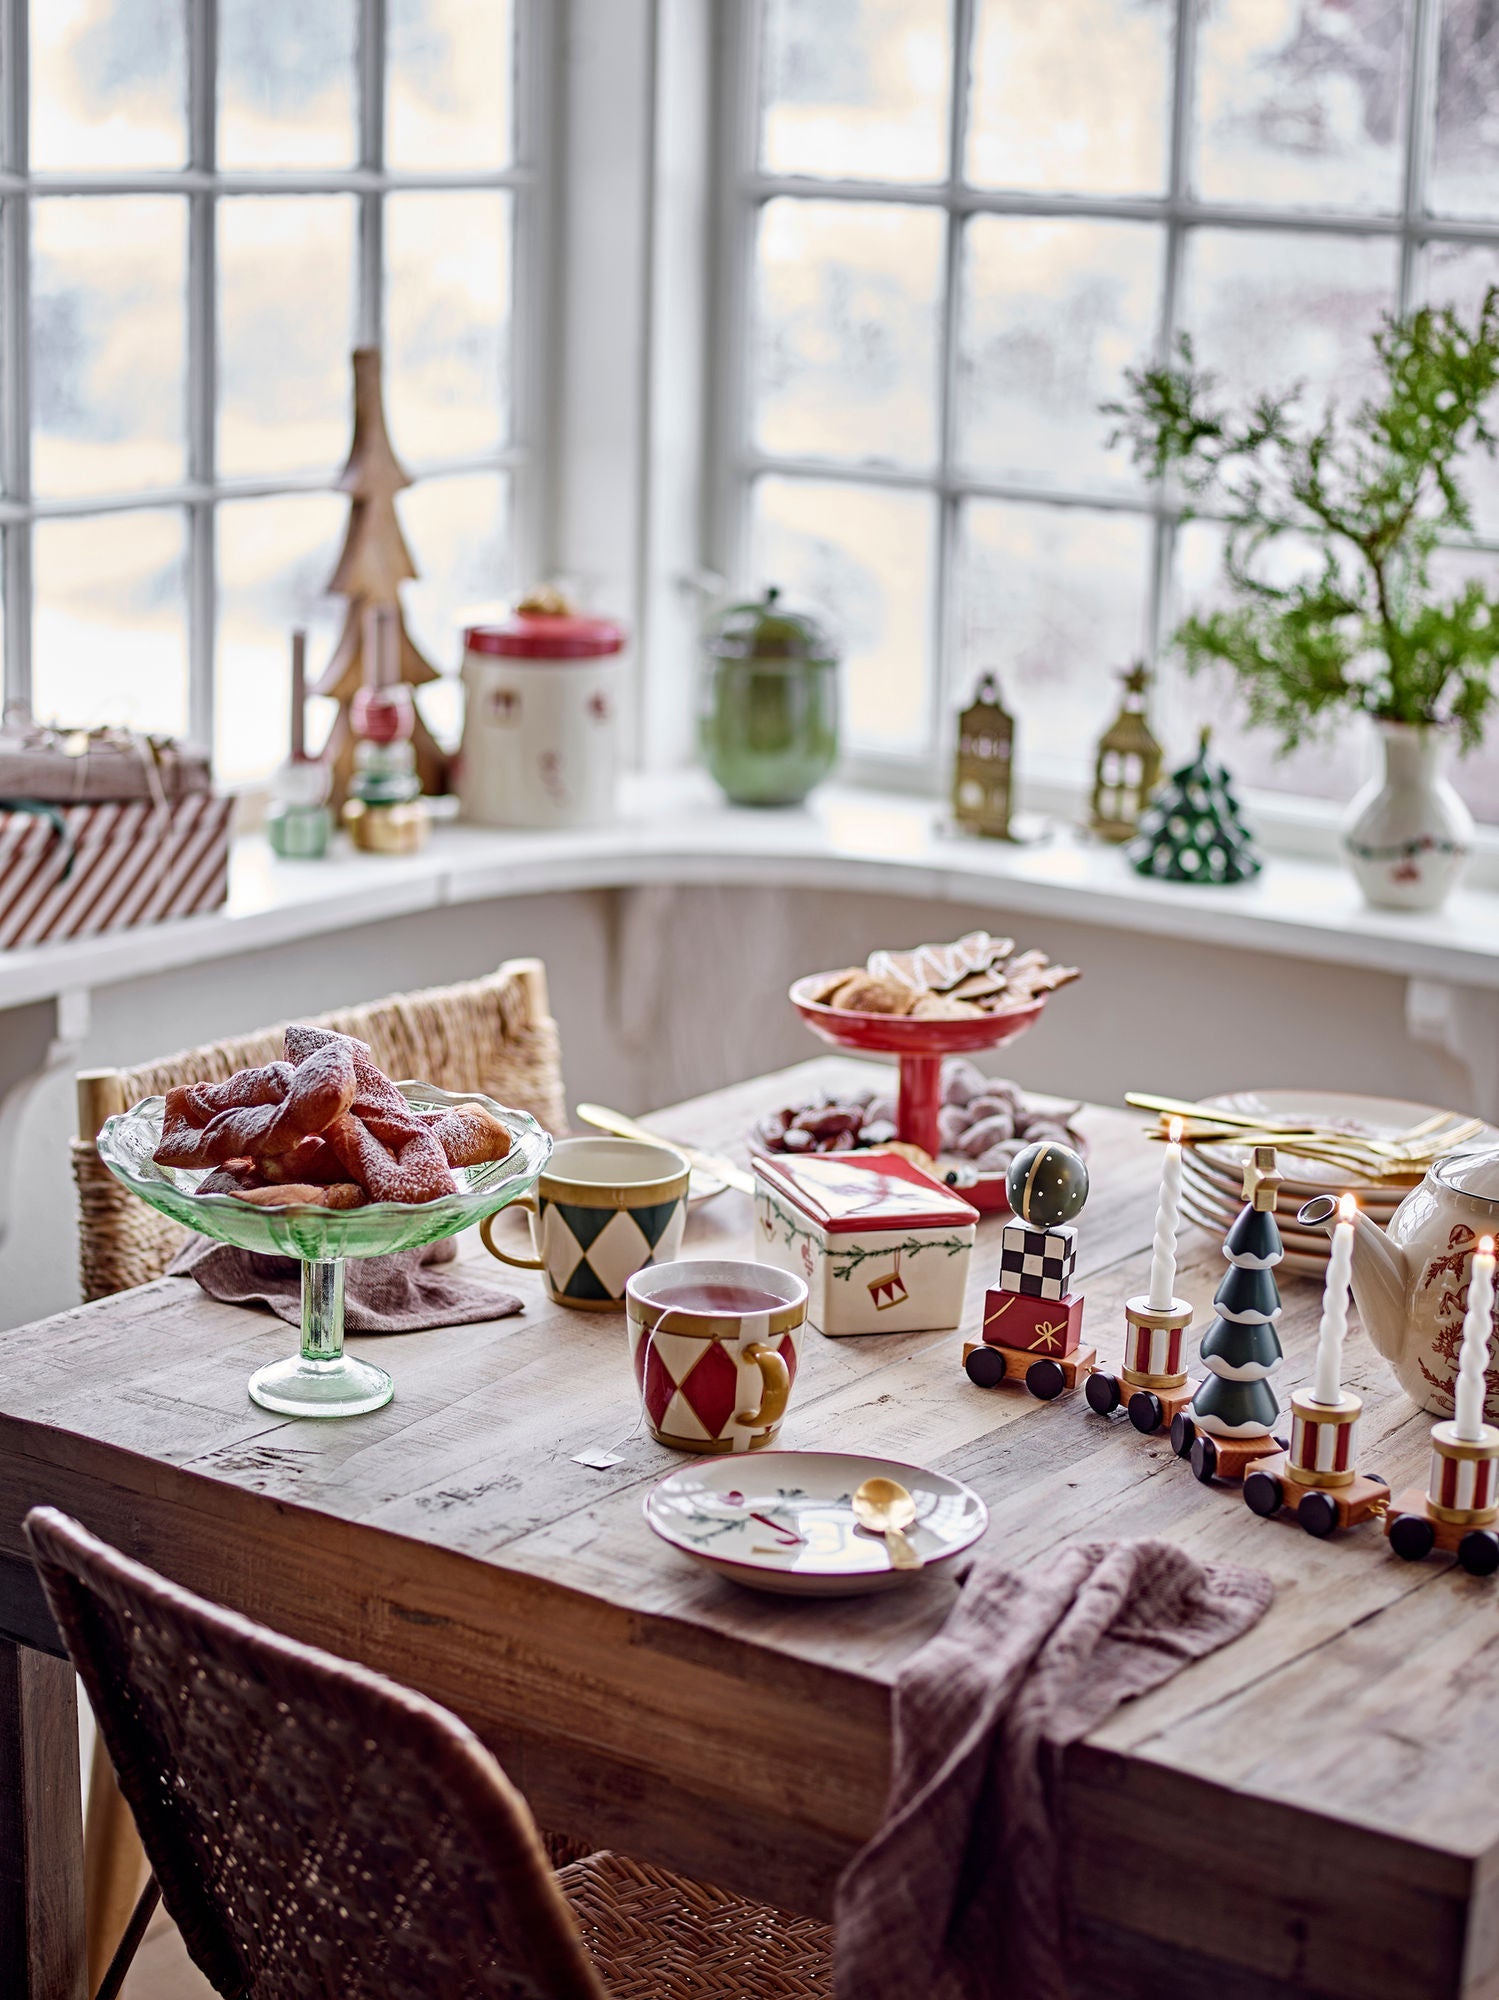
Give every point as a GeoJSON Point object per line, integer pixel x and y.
{"type": "Point", "coordinates": [603, 1210]}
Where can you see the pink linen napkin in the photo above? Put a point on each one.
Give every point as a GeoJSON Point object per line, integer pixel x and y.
{"type": "Point", "coordinates": [398, 1294]}
{"type": "Point", "coordinates": [958, 1896]}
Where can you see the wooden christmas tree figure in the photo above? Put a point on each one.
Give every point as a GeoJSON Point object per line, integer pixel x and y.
{"type": "Point", "coordinates": [372, 566]}
{"type": "Point", "coordinates": [1228, 1425]}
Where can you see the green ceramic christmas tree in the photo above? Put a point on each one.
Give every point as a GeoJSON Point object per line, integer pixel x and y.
{"type": "Point", "coordinates": [1193, 829]}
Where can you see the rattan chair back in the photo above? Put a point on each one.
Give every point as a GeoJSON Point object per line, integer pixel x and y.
{"type": "Point", "coordinates": [493, 1034]}
{"type": "Point", "coordinates": [317, 1831]}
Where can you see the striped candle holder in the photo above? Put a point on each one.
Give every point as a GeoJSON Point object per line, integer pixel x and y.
{"type": "Point", "coordinates": [1463, 1484]}
{"type": "Point", "coordinates": [1153, 1344]}
{"type": "Point", "coordinates": [1323, 1436]}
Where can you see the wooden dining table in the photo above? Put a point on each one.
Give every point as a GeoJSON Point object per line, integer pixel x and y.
{"type": "Point", "coordinates": [1313, 1810]}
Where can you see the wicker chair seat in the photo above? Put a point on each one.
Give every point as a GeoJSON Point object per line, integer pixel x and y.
{"type": "Point", "coordinates": [657, 1936]}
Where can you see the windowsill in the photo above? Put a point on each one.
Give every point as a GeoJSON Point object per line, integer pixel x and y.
{"type": "Point", "coordinates": [676, 829]}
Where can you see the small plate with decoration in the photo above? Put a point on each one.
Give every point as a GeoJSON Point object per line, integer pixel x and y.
{"type": "Point", "coordinates": [784, 1520]}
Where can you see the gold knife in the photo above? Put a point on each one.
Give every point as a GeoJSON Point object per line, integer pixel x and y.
{"type": "Point", "coordinates": [626, 1128]}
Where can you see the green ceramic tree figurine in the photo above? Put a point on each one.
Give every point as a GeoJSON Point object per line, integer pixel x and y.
{"type": "Point", "coordinates": [1193, 829]}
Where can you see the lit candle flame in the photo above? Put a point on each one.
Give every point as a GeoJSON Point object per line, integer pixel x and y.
{"type": "Point", "coordinates": [1347, 1208]}
{"type": "Point", "coordinates": [1485, 1246]}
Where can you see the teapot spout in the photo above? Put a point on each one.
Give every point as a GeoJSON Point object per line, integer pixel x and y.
{"type": "Point", "coordinates": [1380, 1278]}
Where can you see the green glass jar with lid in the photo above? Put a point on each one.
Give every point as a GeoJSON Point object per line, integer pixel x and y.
{"type": "Point", "coordinates": [769, 720]}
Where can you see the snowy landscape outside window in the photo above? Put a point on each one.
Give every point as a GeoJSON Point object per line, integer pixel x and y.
{"type": "Point", "coordinates": [205, 205]}
{"type": "Point", "coordinates": [951, 224]}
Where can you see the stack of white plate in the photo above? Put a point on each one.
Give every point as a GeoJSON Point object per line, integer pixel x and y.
{"type": "Point", "coordinates": [1213, 1174]}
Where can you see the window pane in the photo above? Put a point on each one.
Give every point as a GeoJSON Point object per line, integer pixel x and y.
{"type": "Point", "coordinates": [458, 531]}
{"type": "Point", "coordinates": [108, 83]}
{"type": "Point", "coordinates": [449, 91]}
{"type": "Point", "coordinates": [863, 556]}
{"type": "Point", "coordinates": [1458, 274]}
{"type": "Point", "coordinates": [1477, 776]}
{"type": "Point", "coordinates": [1053, 313]}
{"type": "Point", "coordinates": [1303, 102]}
{"type": "Point", "coordinates": [1268, 310]}
{"type": "Point", "coordinates": [1074, 96]}
{"type": "Point", "coordinates": [286, 83]}
{"type": "Point", "coordinates": [1332, 767]}
{"type": "Point", "coordinates": [1464, 180]}
{"type": "Point", "coordinates": [447, 311]}
{"type": "Point", "coordinates": [845, 340]}
{"type": "Point", "coordinates": [1055, 599]}
{"type": "Point", "coordinates": [286, 318]}
{"type": "Point", "coordinates": [109, 317]}
{"type": "Point", "coordinates": [109, 625]}
{"type": "Point", "coordinates": [856, 89]}
{"type": "Point", "coordinates": [275, 558]}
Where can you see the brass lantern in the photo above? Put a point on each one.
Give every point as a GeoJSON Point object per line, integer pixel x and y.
{"type": "Point", "coordinates": [1128, 767]}
{"type": "Point", "coordinates": [982, 776]}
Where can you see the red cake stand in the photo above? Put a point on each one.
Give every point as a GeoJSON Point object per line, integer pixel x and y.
{"type": "Point", "coordinates": [920, 1046]}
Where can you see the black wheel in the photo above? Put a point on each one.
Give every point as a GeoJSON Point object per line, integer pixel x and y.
{"type": "Point", "coordinates": [1412, 1536]}
{"type": "Point", "coordinates": [1379, 1479]}
{"type": "Point", "coordinates": [1145, 1411]}
{"type": "Point", "coordinates": [1317, 1513]}
{"type": "Point", "coordinates": [1263, 1494]}
{"type": "Point", "coordinates": [986, 1367]}
{"type": "Point", "coordinates": [1204, 1459]}
{"type": "Point", "coordinates": [1478, 1552]}
{"type": "Point", "coordinates": [1284, 1443]}
{"type": "Point", "coordinates": [1102, 1392]}
{"type": "Point", "coordinates": [1045, 1380]}
{"type": "Point", "coordinates": [1183, 1432]}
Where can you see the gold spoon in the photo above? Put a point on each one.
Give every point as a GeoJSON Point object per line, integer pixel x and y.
{"type": "Point", "coordinates": [886, 1508]}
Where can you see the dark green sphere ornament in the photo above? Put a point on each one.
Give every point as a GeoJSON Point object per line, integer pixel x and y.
{"type": "Point", "coordinates": [1047, 1184]}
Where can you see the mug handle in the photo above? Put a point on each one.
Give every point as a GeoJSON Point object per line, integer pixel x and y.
{"type": "Point", "coordinates": [486, 1237]}
{"type": "Point", "coordinates": [775, 1387]}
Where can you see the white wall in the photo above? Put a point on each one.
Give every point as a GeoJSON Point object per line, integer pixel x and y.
{"type": "Point", "coordinates": [663, 993]}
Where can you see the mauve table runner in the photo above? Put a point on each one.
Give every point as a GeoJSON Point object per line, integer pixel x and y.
{"type": "Point", "coordinates": [958, 1896]}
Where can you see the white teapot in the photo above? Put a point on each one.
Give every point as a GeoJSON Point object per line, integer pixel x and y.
{"type": "Point", "coordinates": [1410, 1281]}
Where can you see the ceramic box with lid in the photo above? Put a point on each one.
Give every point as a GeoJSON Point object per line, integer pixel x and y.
{"type": "Point", "coordinates": [883, 1247]}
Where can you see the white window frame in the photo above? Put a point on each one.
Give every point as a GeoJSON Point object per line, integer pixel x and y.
{"type": "Point", "coordinates": [525, 458]}
{"type": "Point", "coordinates": [734, 462]}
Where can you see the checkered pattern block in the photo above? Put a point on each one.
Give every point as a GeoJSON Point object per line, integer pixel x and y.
{"type": "Point", "coordinates": [1038, 1262]}
{"type": "Point", "coordinates": [1031, 1325]}
{"type": "Point", "coordinates": [592, 1252]}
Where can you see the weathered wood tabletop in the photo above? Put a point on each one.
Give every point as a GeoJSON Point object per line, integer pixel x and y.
{"type": "Point", "coordinates": [1313, 1810]}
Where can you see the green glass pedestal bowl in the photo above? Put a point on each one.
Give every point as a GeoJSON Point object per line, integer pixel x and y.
{"type": "Point", "coordinates": [321, 1380]}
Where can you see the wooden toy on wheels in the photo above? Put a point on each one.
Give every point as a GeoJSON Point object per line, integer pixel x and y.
{"type": "Point", "coordinates": [1152, 1385]}
{"type": "Point", "coordinates": [1032, 1320]}
{"type": "Point", "coordinates": [1458, 1512]}
{"type": "Point", "coordinates": [1317, 1478]}
{"type": "Point", "coordinates": [1228, 1427]}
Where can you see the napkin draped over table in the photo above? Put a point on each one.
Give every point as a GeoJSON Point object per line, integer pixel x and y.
{"type": "Point", "coordinates": [959, 1894]}
{"type": "Point", "coordinates": [399, 1294]}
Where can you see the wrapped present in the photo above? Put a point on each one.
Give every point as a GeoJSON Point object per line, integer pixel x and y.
{"type": "Point", "coordinates": [1035, 1326]}
{"type": "Point", "coordinates": [96, 766]}
{"type": "Point", "coordinates": [82, 870]}
{"type": "Point", "coordinates": [1037, 1261]}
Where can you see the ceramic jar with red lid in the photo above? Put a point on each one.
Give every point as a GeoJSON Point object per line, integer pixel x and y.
{"type": "Point", "coordinates": [540, 717]}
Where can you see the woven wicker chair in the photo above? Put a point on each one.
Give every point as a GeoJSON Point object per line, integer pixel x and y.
{"type": "Point", "coordinates": [317, 1830]}
{"type": "Point", "coordinates": [494, 1034]}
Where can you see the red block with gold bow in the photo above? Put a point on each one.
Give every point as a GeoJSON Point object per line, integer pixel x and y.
{"type": "Point", "coordinates": [1033, 1326]}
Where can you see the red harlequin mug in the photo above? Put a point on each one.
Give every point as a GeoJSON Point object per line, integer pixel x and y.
{"type": "Point", "coordinates": [714, 1346]}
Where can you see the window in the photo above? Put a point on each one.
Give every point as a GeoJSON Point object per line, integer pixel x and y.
{"type": "Point", "coordinates": [953, 223]}
{"type": "Point", "coordinates": [205, 205]}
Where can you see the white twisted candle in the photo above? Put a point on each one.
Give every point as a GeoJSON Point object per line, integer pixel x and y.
{"type": "Point", "coordinates": [1163, 1247]}
{"type": "Point", "coordinates": [1327, 1386]}
{"type": "Point", "coordinates": [1472, 1372]}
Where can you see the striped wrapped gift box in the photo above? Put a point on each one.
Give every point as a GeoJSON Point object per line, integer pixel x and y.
{"type": "Point", "coordinates": [131, 863]}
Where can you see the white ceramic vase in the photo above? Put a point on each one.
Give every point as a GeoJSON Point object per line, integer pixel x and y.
{"type": "Point", "coordinates": [1407, 833]}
